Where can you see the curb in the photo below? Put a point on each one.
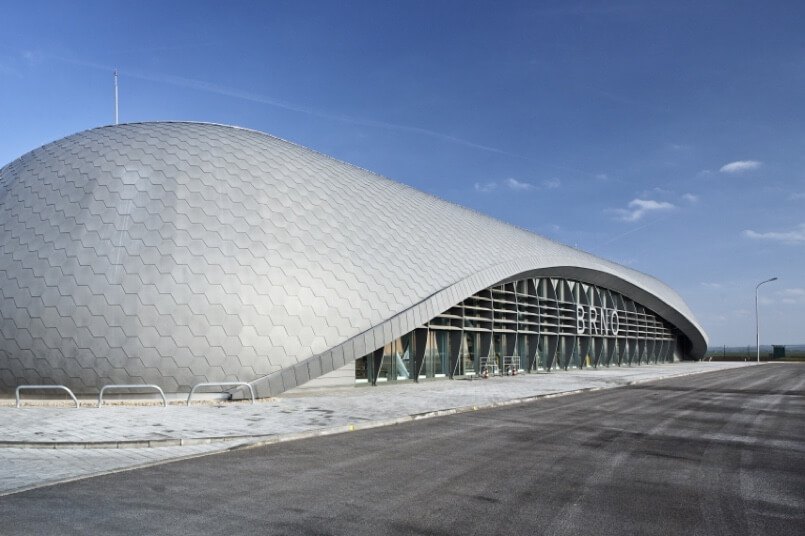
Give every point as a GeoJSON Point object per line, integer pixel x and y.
{"type": "Point", "coordinates": [256, 440]}
{"type": "Point", "coordinates": [263, 439]}
{"type": "Point", "coordinates": [223, 444]}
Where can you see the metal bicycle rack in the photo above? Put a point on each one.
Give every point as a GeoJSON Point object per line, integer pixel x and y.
{"type": "Point", "coordinates": [31, 387]}
{"type": "Point", "coordinates": [490, 365]}
{"type": "Point", "coordinates": [219, 384]}
{"type": "Point", "coordinates": [511, 364]}
{"type": "Point", "coordinates": [132, 386]}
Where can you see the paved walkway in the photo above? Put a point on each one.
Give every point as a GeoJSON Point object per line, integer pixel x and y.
{"type": "Point", "coordinates": [44, 445]}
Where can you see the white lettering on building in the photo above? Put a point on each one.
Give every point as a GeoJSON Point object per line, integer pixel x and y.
{"type": "Point", "coordinates": [592, 320]}
{"type": "Point", "coordinates": [581, 325]}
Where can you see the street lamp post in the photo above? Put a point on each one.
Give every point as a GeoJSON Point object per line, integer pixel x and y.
{"type": "Point", "coordinates": [757, 320]}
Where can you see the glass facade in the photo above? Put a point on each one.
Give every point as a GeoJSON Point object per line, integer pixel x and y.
{"type": "Point", "coordinates": [525, 326]}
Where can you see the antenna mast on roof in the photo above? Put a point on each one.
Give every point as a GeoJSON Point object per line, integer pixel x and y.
{"type": "Point", "coordinates": [116, 116]}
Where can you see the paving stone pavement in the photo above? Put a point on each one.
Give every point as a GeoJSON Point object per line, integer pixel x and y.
{"type": "Point", "coordinates": [45, 445]}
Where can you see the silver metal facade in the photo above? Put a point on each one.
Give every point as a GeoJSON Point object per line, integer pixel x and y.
{"type": "Point", "coordinates": [179, 253]}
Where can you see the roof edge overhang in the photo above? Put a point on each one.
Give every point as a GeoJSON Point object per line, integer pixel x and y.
{"type": "Point", "coordinates": [406, 321]}
{"type": "Point", "coordinates": [687, 325]}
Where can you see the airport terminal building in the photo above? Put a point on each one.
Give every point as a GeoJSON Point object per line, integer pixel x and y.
{"type": "Point", "coordinates": [180, 253]}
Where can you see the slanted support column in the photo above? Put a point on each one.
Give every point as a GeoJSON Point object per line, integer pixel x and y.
{"type": "Point", "coordinates": [377, 360]}
{"type": "Point", "coordinates": [583, 344]}
{"type": "Point", "coordinates": [533, 346]}
{"type": "Point", "coordinates": [623, 352]}
{"type": "Point", "coordinates": [420, 342]}
{"type": "Point", "coordinates": [486, 344]}
{"type": "Point", "coordinates": [455, 350]}
{"type": "Point", "coordinates": [552, 343]}
{"type": "Point", "coordinates": [511, 341]}
{"type": "Point", "coordinates": [612, 348]}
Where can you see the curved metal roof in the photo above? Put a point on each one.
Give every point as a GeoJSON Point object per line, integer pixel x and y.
{"type": "Point", "coordinates": [187, 252]}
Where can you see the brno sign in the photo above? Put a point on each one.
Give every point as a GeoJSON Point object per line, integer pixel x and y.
{"type": "Point", "coordinates": [591, 320]}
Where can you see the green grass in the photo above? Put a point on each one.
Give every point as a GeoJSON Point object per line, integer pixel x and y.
{"type": "Point", "coordinates": [736, 354]}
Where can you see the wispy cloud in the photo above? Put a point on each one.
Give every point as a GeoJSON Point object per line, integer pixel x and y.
{"type": "Point", "coordinates": [514, 184]}
{"type": "Point", "coordinates": [638, 208]}
{"type": "Point", "coordinates": [796, 196]}
{"type": "Point", "coordinates": [218, 89]}
{"type": "Point", "coordinates": [717, 319]}
{"type": "Point", "coordinates": [517, 186]}
{"type": "Point", "coordinates": [678, 147]}
{"type": "Point", "coordinates": [209, 87]}
{"type": "Point", "coordinates": [722, 318]}
{"type": "Point", "coordinates": [603, 177]}
{"type": "Point", "coordinates": [15, 64]}
{"type": "Point", "coordinates": [690, 198]}
{"type": "Point", "coordinates": [793, 295]}
{"type": "Point", "coordinates": [712, 286]}
{"type": "Point", "coordinates": [794, 292]}
{"type": "Point", "coordinates": [627, 233]}
{"type": "Point", "coordinates": [740, 166]}
{"type": "Point", "coordinates": [31, 56]}
{"type": "Point", "coordinates": [656, 190]}
{"type": "Point", "coordinates": [485, 187]}
{"type": "Point", "coordinates": [794, 236]}
{"type": "Point", "coordinates": [551, 184]}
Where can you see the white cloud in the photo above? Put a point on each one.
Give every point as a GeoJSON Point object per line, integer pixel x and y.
{"type": "Point", "coordinates": [714, 318]}
{"type": "Point", "coordinates": [712, 286]}
{"type": "Point", "coordinates": [235, 93]}
{"type": "Point", "coordinates": [793, 295]}
{"type": "Point", "coordinates": [486, 187]}
{"type": "Point", "coordinates": [796, 235]}
{"type": "Point", "coordinates": [603, 177]}
{"type": "Point", "coordinates": [663, 191]}
{"type": "Point", "coordinates": [514, 184]}
{"type": "Point", "coordinates": [520, 186]}
{"type": "Point", "coordinates": [551, 184]}
{"type": "Point", "coordinates": [797, 195]}
{"type": "Point", "coordinates": [640, 207]}
{"type": "Point", "coordinates": [690, 198]}
{"type": "Point", "coordinates": [678, 147]}
{"type": "Point", "coordinates": [14, 65]}
{"type": "Point", "coordinates": [740, 166]}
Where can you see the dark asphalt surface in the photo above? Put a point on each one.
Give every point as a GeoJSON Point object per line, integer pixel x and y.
{"type": "Point", "coordinates": [709, 454]}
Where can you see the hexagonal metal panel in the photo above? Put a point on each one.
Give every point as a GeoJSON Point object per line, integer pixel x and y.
{"type": "Point", "coordinates": [172, 253]}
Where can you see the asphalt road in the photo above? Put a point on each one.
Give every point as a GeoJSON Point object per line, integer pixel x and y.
{"type": "Point", "coordinates": [709, 454]}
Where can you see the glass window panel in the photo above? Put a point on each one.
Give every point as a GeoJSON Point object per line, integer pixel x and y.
{"type": "Point", "coordinates": [361, 371]}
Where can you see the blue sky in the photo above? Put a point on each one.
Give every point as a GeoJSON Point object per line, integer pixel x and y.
{"type": "Point", "coordinates": [666, 136]}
